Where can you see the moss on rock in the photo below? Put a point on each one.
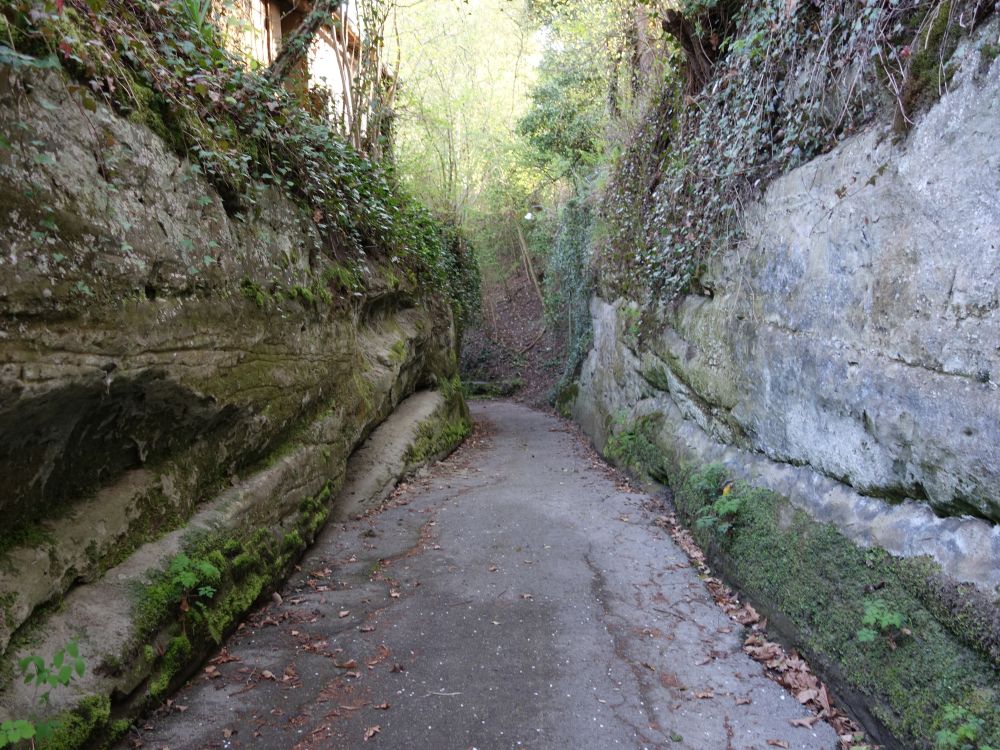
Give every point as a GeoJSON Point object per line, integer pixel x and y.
{"type": "Point", "coordinates": [816, 586]}
{"type": "Point", "coordinates": [634, 447]}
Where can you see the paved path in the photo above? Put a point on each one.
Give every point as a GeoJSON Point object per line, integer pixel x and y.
{"type": "Point", "coordinates": [512, 597]}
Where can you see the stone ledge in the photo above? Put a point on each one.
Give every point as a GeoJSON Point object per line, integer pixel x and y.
{"type": "Point", "coordinates": [290, 499]}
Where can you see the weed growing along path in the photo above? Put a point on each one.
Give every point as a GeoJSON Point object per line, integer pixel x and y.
{"type": "Point", "coordinates": [517, 595]}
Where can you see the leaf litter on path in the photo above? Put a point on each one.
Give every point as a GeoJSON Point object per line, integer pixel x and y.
{"type": "Point", "coordinates": [788, 669]}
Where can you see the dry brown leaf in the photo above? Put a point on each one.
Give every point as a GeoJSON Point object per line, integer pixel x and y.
{"type": "Point", "coordinates": [704, 694]}
{"type": "Point", "coordinates": [267, 674]}
{"type": "Point", "coordinates": [372, 731]}
{"type": "Point", "coordinates": [824, 698]}
{"type": "Point", "coordinates": [777, 743]}
{"type": "Point", "coordinates": [743, 701]}
{"type": "Point", "coordinates": [382, 707]}
{"type": "Point", "coordinates": [349, 664]}
{"type": "Point", "coordinates": [806, 721]}
{"type": "Point", "coordinates": [224, 657]}
{"type": "Point", "coordinates": [343, 613]}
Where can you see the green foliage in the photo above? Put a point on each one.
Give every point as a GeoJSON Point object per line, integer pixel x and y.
{"type": "Point", "coordinates": [962, 730]}
{"type": "Point", "coordinates": [159, 63]}
{"type": "Point", "coordinates": [12, 732]}
{"type": "Point", "coordinates": [634, 447]}
{"type": "Point", "coordinates": [197, 14]}
{"type": "Point", "coordinates": [721, 514]}
{"type": "Point", "coordinates": [786, 87]}
{"type": "Point", "coordinates": [566, 119]}
{"type": "Point", "coordinates": [567, 283]}
{"type": "Point", "coordinates": [65, 666]}
{"type": "Point", "coordinates": [187, 574]}
{"type": "Point", "coordinates": [820, 582]}
{"type": "Point", "coordinates": [879, 619]}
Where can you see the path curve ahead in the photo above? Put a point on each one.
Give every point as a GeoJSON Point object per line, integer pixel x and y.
{"type": "Point", "coordinates": [513, 597]}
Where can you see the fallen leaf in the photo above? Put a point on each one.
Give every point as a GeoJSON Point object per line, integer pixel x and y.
{"type": "Point", "coordinates": [382, 706]}
{"type": "Point", "coordinates": [394, 594]}
{"type": "Point", "coordinates": [824, 698]}
{"type": "Point", "coordinates": [494, 569]}
{"type": "Point", "coordinates": [224, 657]}
{"type": "Point", "coordinates": [743, 701]}
{"type": "Point", "coordinates": [704, 694]}
{"type": "Point", "coordinates": [806, 722]}
{"type": "Point", "coordinates": [372, 731]}
{"type": "Point", "coordinates": [267, 674]}
{"type": "Point", "coordinates": [227, 732]}
{"type": "Point", "coordinates": [398, 668]}
{"type": "Point", "coordinates": [350, 664]}
{"type": "Point", "coordinates": [366, 628]}
{"type": "Point", "coordinates": [343, 613]}
{"type": "Point", "coordinates": [777, 743]}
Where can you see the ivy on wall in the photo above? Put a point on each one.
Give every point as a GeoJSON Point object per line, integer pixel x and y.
{"type": "Point", "coordinates": [789, 81]}
{"type": "Point", "coordinates": [162, 64]}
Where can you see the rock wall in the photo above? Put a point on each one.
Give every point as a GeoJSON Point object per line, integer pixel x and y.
{"type": "Point", "coordinates": [830, 396]}
{"type": "Point", "coordinates": [848, 352]}
{"type": "Point", "coordinates": [175, 377]}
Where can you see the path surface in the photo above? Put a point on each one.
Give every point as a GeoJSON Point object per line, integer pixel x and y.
{"type": "Point", "coordinates": [512, 597]}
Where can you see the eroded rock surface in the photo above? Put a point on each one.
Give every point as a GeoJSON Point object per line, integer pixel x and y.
{"type": "Point", "coordinates": [848, 351]}
{"type": "Point", "coordinates": [176, 372]}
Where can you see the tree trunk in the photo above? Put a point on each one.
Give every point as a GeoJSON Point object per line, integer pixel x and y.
{"type": "Point", "coordinates": [529, 267]}
{"type": "Point", "coordinates": [701, 38]}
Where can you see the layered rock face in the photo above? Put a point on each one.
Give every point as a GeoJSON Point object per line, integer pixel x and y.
{"type": "Point", "coordinates": [175, 369]}
{"type": "Point", "coordinates": [848, 352]}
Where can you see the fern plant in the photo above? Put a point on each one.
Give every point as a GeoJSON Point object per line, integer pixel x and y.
{"type": "Point", "coordinates": [194, 582]}
{"type": "Point", "coordinates": [962, 730]}
{"type": "Point", "coordinates": [721, 514]}
{"type": "Point", "coordinates": [880, 620]}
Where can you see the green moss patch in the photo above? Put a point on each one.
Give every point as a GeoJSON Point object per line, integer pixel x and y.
{"type": "Point", "coordinates": [634, 447]}
{"type": "Point", "coordinates": [856, 613]}
{"type": "Point", "coordinates": [566, 397]}
{"type": "Point", "coordinates": [89, 724]}
{"type": "Point", "coordinates": [437, 438]}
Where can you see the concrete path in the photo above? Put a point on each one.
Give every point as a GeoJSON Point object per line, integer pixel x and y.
{"type": "Point", "coordinates": [511, 598]}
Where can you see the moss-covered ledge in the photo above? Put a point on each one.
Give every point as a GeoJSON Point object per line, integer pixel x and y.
{"type": "Point", "coordinates": [149, 622]}
{"type": "Point", "coordinates": [911, 653]}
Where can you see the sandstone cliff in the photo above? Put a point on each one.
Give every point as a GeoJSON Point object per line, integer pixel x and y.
{"type": "Point", "coordinates": [181, 386]}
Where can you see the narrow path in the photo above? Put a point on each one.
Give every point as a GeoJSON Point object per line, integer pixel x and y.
{"type": "Point", "coordinates": [511, 597]}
